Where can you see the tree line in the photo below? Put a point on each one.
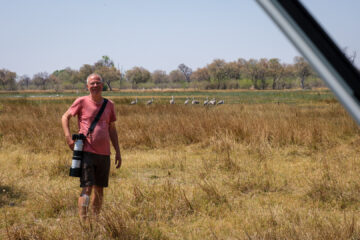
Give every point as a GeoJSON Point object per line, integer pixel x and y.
{"type": "Point", "coordinates": [240, 74]}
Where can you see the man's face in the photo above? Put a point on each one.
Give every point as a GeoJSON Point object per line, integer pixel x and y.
{"type": "Point", "coordinates": [95, 85]}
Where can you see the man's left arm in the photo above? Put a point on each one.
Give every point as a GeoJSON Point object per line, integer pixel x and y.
{"type": "Point", "coordinates": [115, 143]}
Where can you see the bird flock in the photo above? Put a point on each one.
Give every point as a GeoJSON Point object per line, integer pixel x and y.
{"type": "Point", "coordinates": [186, 102]}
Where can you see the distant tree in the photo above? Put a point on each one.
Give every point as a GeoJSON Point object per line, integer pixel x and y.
{"type": "Point", "coordinates": [41, 80]}
{"type": "Point", "coordinates": [159, 76]}
{"type": "Point", "coordinates": [201, 74]}
{"type": "Point", "coordinates": [105, 67]}
{"type": "Point", "coordinates": [232, 70]}
{"type": "Point", "coordinates": [252, 71]}
{"type": "Point", "coordinates": [275, 72]}
{"type": "Point", "coordinates": [287, 78]}
{"type": "Point", "coordinates": [68, 78]}
{"type": "Point", "coordinates": [7, 79]}
{"type": "Point", "coordinates": [3, 78]}
{"type": "Point", "coordinates": [104, 61]}
{"type": "Point", "coordinates": [122, 77]}
{"type": "Point", "coordinates": [137, 75]}
{"type": "Point", "coordinates": [85, 70]}
{"type": "Point", "coordinates": [186, 71]}
{"type": "Point", "coordinates": [217, 70]}
{"type": "Point", "coordinates": [302, 70]}
{"type": "Point", "coordinates": [24, 82]}
{"type": "Point", "coordinates": [55, 82]}
{"type": "Point", "coordinates": [177, 76]}
{"type": "Point", "coordinates": [262, 72]}
{"type": "Point", "coordinates": [109, 75]}
{"type": "Point", "coordinates": [241, 63]}
{"type": "Point", "coordinates": [75, 79]}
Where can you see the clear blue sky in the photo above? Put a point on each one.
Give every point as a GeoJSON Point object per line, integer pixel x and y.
{"type": "Point", "coordinates": [48, 35]}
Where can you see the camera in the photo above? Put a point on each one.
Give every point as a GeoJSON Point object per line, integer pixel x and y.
{"type": "Point", "coordinates": [75, 169]}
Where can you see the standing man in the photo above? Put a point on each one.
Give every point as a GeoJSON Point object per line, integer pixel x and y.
{"type": "Point", "coordinates": [96, 150]}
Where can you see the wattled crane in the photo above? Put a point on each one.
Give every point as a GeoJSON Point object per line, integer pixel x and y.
{"type": "Point", "coordinates": [212, 101]}
{"type": "Point", "coordinates": [134, 101]}
{"type": "Point", "coordinates": [220, 102]}
{"type": "Point", "coordinates": [186, 101]}
{"type": "Point", "coordinates": [194, 101]}
{"type": "Point", "coordinates": [172, 101]}
{"type": "Point", "coordinates": [150, 101]}
{"type": "Point", "coordinates": [206, 101]}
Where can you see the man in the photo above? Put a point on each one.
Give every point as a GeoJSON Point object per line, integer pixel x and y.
{"type": "Point", "coordinates": [96, 150]}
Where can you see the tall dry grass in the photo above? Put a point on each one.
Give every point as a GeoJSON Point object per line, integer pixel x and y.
{"type": "Point", "coordinates": [261, 171]}
{"type": "Point", "coordinates": [36, 126]}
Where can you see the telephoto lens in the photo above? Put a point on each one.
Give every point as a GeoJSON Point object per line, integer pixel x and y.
{"type": "Point", "coordinates": [75, 169]}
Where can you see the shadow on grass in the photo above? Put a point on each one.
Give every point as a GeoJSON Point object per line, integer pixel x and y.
{"type": "Point", "coordinates": [9, 195]}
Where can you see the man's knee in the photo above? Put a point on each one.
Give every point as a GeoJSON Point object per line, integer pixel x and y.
{"type": "Point", "coordinates": [85, 196]}
{"type": "Point", "coordinates": [85, 200]}
{"type": "Point", "coordinates": [86, 190]}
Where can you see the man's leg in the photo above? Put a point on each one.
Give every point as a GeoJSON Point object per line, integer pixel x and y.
{"type": "Point", "coordinates": [97, 200]}
{"type": "Point", "coordinates": [84, 201]}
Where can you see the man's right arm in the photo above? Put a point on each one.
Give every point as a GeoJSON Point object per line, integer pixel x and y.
{"type": "Point", "coordinates": [65, 124]}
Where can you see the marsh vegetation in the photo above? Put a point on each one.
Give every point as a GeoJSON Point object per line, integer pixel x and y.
{"type": "Point", "coordinates": [280, 165]}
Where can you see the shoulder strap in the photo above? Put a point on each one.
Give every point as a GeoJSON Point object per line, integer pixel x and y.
{"type": "Point", "coordinates": [97, 118]}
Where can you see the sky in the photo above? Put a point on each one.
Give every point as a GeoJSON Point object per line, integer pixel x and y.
{"type": "Point", "coordinates": [48, 35]}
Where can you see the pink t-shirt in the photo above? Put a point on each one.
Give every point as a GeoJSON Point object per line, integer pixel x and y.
{"type": "Point", "coordinates": [86, 109]}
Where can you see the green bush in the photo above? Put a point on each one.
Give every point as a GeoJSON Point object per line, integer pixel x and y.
{"type": "Point", "coordinates": [315, 82]}
{"type": "Point", "coordinates": [125, 85]}
{"type": "Point", "coordinates": [147, 85]}
{"type": "Point", "coordinates": [232, 84]}
{"type": "Point", "coordinates": [245, 83]}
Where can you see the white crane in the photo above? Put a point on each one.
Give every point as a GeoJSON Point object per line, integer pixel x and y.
{"type": "Point", "coordinates": [212, 101]}
{"type": "Point", "coordinates": [172, 101]}
{"type": "Point", "coordinates": [194, 101]}
{"type": "Point", "coordinates": [150, 101]}
{"type": "Point", "coordinates": [134, 101]}
{"type": "Point", "coordinates": [220, 102]}
{"type": "Point", "coordinates": [206, 101]}
{"type": "Point", "coordinates": [186, 101]}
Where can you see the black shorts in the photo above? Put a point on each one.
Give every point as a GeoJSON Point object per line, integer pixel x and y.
{"type": "Point", "coordinates": [95, 170]}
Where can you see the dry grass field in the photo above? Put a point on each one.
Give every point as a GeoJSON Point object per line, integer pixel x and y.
{"type": "Point", "coordinates": [236, 171]}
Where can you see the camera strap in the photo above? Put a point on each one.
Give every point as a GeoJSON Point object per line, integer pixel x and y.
{"type": "Point", "coordinates": [97, 118]}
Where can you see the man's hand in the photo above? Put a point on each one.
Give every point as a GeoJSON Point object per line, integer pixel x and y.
{"type": "Point", "coordinates": [118, 160]}
{"type": "Point", "coordinates": [70, 142]}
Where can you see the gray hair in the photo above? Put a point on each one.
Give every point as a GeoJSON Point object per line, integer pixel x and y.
{"type": "Point", "coordinates": [92, 75]}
